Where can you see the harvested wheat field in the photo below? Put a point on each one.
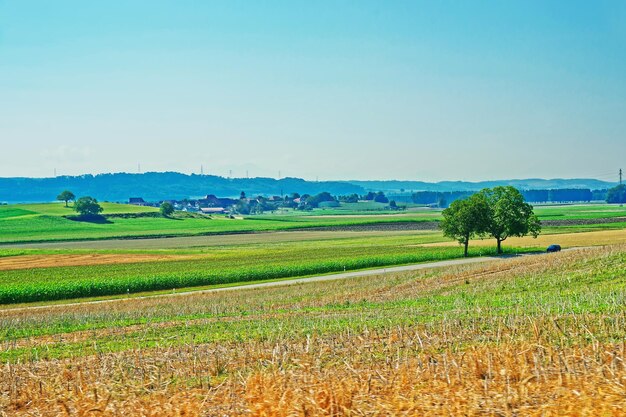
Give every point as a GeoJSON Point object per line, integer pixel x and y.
{"type": "Point", "coordinates": [536, 336]}
{"type": "Point", "coordinates": [397, 372]}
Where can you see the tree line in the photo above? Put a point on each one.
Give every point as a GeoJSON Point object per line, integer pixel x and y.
{"type": "Point", "coordinates": [536, 196]}
{"type": "Point", "coordinates": [498, 212]}
{"type": "Point", "coordinates": [617, 194]}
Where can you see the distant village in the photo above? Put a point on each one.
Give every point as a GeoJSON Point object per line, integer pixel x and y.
{"type": "Point", "coordinates": [211, 204]}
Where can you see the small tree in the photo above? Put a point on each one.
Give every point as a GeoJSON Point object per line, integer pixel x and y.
{"type": "Point", "coordinates": [465, 219]}
{"type": "Point", "coordinates": [315, 200]}
{"type": "Point", "coordinates": [509, 214]}
{"type": "Point", "coordinates": [166, 209]}
{"type": "Point", "coordinates": [66, 196]}
{"type": "Point", "coordinates": [87, 206]}
{"type": "Point", "coordinates": [242, 207]}
{"type": "Point", "coordinates": [352, 198]}
{"type": "Point", "coordinates": [380, 197]}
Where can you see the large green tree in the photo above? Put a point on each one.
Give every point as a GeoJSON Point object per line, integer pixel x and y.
{"type": "Point", "coordinates": [617, 194]}
{"type": "Point", "coordinates": [465, 219]}
{"type": "Point", "coordinates": [66, 196]}
{"type": "Point", "coordinates": [87, 206]}
{"type": "Point", "coordinates": [509, 214]}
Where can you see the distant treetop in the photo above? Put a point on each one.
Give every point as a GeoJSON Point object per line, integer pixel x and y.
{"type": "Point", "coordinates": [66, 196]}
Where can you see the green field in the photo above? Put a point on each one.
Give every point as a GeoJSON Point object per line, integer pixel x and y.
{"type": "Point", "coordinates": [369, 207]}
{"type": "Point", "coordinates": [46, 222]}
{"type": "Point", "coordinates": [580, 211]}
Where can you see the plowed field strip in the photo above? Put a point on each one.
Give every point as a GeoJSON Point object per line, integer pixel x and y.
{"type": "Point", "coordinates": [599, 238]}
{"type": "Point", "coordinates": [48, 261]}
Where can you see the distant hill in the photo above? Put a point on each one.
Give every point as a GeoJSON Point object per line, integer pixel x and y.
{"type": "Point", "coordinates": [154, 186]}
{"type": "Point", "coordinates": [524, 184]}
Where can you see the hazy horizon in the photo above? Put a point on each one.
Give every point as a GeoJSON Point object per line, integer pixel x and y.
{"type": "Point", "coordinates": [417, 91]}
{"type": "Point", "coordinates": [333, 179]}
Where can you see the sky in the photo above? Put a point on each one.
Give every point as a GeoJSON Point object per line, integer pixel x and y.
{"type": "Point", "coordinates": [333, 90]}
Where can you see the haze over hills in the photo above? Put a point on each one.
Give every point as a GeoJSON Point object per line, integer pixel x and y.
{"type": "Point", "coordinates": [154, 186]}
{"type": "Point", "coordinates": [523, 184]}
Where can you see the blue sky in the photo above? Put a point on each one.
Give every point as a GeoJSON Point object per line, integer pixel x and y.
{"type": "Point", "coordinates": [437, 90]}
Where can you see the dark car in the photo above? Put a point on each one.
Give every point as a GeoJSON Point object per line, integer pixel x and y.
{"type": "Point", "coordinates": [554, 248]}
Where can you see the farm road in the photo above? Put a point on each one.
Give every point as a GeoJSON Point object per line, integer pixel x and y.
{"type": "Point", "coordinates": [318, 278]}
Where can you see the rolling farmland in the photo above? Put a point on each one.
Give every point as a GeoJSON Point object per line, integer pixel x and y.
{"type": "Point", "coordinates": [536, 334]}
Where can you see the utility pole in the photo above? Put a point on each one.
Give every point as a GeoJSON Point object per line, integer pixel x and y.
{"type": "Point", "coordinates": [230, 173]}
{"type": "Point", "coordinates": [620, 176]}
